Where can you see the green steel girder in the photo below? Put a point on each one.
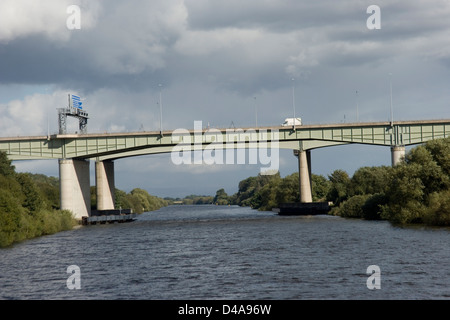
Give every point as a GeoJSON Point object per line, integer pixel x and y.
{"type": "Point", "coordinates": [306, 137]}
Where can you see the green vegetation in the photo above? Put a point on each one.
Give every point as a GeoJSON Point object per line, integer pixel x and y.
{"type": "Point", "coordinates": [139, 200]}
{"type": "Point", "coordinates": [416, 191]}
{"type": "Point", "coordinates": [27, 205]}
{"type": "Point", "coordinates": [221, 197]}
{"type": "Point", "coordinates": [189, 200]}
{"type": "Point", "coordinates": [265, 192]}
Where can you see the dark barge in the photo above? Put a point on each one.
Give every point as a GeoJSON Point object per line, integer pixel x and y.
{"type": "Point", "coordinates": [303, 209]}
{"type": "Point", "coordinates": [109, 216]}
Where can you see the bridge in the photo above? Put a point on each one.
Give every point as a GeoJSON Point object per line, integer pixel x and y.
{"type": "Point", "coordinates": [75, 151]}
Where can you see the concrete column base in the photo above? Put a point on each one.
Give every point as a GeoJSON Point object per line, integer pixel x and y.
{"type": "Point", "coordinates": [104, 180]}
{"type": "Point", "coordinates": [304, 164]}
{"type": "Point", "coordinates": [397, 155]}
{"type": "Point", "coordinates": [75, 187]}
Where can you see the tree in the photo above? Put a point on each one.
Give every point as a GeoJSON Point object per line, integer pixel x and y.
{"type": "Point", "coordinates": [121, 200]}
{"type": "Point", "coordinates": [405, 195]}
{"type": "Point", "coordinates": [320, 187]}
{"type": "Point", "coordinates": [49, 189]}
{"type": "Point", "coordinates": [34, 201]}
{"type": "Point", "coordinates": [6, 168]}
{"type": "Point", "coordinates": [440, 151]}
{"type": "Point", "coordinates": [372, 208]}
{"type": "Point", "coordinates": [221, 197]}
{"type": "Point", "coordinates": [369, 180]}
{"type": "Point", "coordinates": [288, 189]}
{"type": "Point", "coordinates": [248, 188]}
{"type": "Point", "coordinates": [265, 198]}
{"type": "Point", "coordinates": [353, 207]}
{"type": "Point", "coordinates": [339, 189]}
{"type": "Point", "coordinates": [427, 169]}
{"type": "Point", "coordinates": [438, 210]}
{"type": "Point", "coordinates": [418, 187]}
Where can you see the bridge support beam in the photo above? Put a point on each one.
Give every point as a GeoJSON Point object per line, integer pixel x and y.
{"type": "Point", "coordinates": [104, 180]}
{"type": "Point", "coordinates": [75, 187]}
{"type": "Point", "coordinates": [304, 173]}
{"type": "Point", "coordinates": [397, 154]}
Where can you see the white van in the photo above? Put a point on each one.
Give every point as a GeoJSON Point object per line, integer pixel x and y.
{"type": "Point", "coordinates": [292, 121]}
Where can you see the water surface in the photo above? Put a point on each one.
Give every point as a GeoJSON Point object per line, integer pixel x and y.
{"type": "Point", "coordinates": [219, 252]}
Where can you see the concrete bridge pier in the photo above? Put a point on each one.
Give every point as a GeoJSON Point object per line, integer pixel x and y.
{"type": "Point", "coordinates": [397, 154]}
{"type": "Point", "coordinates": [75, 187]}
{"type": "Point", "coordinates": [104, 180]}
{"type": "Point", "coordinates": [304, 172]}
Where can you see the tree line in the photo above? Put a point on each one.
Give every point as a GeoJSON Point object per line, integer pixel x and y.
{"type": "Point", "coordinates": [30, 204]}
{"type": "Point", "coordinates": [415, 191]}
{"type": "Point", "coordinates": [190, 200]}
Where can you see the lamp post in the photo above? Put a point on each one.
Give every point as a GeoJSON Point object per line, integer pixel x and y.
{"type": "Point", "coordinates": [160, 108]}
{"type": "Point", "coordinates": [256, 113]}
{"type": "Point", "coordinates": [357, 107]}
{"type": "Point", "coordinates": [392, 110]}
{"type": "Point", "coordinates": [293, 99]}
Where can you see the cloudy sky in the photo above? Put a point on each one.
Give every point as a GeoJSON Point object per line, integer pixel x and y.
{"type": "Point", "coordinates": [224, 63]}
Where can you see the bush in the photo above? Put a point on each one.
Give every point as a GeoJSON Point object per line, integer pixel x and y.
{"type": "Point", "coordinates": [438, 210]}
{"type": "Point", "coordinates": [372, 208]}
{"type": "Point", "coordinates": [411, 212]}
{"type": "Point", "coordinates": [25, 211]}
{"type": "Point", "coordinates": [353, 207]}
{"type": "Point", "coordinates": [339, 188]}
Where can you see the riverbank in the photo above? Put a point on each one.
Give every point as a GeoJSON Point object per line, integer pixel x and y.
{"type": "Point", "coordinates": [30, 205]}
{"type": "Point", "coordinates": [22, 226]}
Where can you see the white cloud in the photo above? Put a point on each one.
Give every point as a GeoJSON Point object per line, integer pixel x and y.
{"type": "Point", "coordinates": [214, 57]}
{"type": "Point", "coordinates": [28, 116]}
{"type": "Point", "coordinates": [21, 18]}
{"type": "Point", "coordinates": [131, 39]}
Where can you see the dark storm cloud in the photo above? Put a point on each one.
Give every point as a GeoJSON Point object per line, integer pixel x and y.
{"type": "Point", "coordinates": [34, 59]}
{"type": "Point", "coordinates": [214, 57]}
{"type": "Point", "coordinates": [245, 46]}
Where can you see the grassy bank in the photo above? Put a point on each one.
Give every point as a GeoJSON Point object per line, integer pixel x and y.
{"type": "Point", "coordinates": [20, 226]}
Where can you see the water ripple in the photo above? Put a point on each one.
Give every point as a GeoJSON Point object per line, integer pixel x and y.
{"type": "Point", "coordinates": [213, 252]}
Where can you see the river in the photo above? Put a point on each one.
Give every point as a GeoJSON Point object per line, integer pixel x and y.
{"type": "Point", "coordinates": [220, 252]}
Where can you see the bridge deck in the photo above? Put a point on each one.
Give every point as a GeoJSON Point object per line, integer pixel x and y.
{"type": "Point", "coordinates": [104, 146]}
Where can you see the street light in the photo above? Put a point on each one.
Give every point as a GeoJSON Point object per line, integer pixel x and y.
{"type": "Point", "coordinates": [392, 110]}
{"type": "Point", "coordinates": [357, 107]}
{"type": "Point", "coordinates": [256, 113]}
{"type": "Point", "coordinates": [293, 99]}
{"type": "Point", "coordinates": [160, 109]}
